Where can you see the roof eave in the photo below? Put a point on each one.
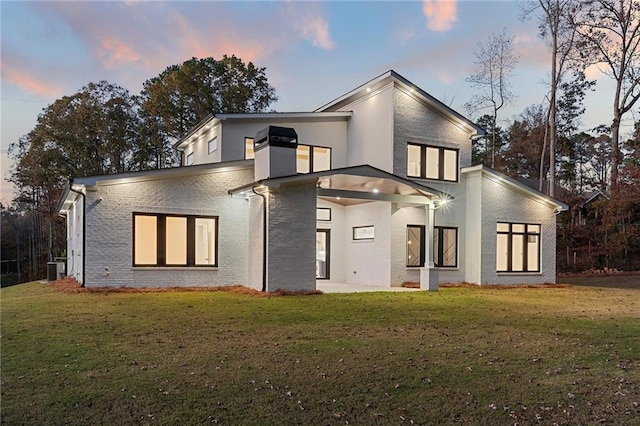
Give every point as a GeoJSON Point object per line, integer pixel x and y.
{"type": "Point", "coordinates": [391, 75]}
{"type": "Point", "coordinates": [193, 131]}
{"type": "Point", "coordinates": [549, 201]}
{"type": "Point", "coordinates": [356, 170]}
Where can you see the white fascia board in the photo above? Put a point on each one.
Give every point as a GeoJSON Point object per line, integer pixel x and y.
{"type": "Point", "coordinates": [146, 175]}
{"type": "Point", "coordinates": [362, 89]}
{"type": "Point", "coordinates": [391, 76]}
{"type": "Point", "coordinates": [514, 184]}
{"type": "Point", "coordinates": [205, 125]}
{"type": "Point", "coordinates": [69, 197]}
{"type": "Point", "coordinates": [342, 115]}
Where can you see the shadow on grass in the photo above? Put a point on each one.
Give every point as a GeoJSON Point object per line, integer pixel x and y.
{"type": "Point", "coordinates": [630, 281]}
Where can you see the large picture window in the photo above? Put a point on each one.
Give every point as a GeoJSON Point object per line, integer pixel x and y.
{"type": "Point", "coordinates": [174, 240]}
{"type": "Point", "coordinates": [432, 162]}
{"type": "Point", "coordinates": [517, 247]}
{"type": "Point", "coordinates": [445, 247]}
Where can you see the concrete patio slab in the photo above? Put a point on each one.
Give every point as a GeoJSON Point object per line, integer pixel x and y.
{"type": "Point", "coordinates": [327, 287]}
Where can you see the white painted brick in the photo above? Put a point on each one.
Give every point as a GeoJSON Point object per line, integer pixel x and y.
{"type": "Point", "coordinates": [109, 237]}
{"type": "Point", "coordinates": [292, 238]}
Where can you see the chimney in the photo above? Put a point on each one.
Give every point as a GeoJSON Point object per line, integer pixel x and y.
{"type": "Point", "coordinates": [275, 152]}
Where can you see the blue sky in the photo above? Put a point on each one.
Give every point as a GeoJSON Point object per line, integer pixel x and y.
{"type": "Point", "coordinates": [312, 51]}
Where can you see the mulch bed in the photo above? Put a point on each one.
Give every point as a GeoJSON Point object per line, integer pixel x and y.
{"type": "Point", "coordinates": [489, 286]}
{"type": "Point", "coordinates": [71, 285]}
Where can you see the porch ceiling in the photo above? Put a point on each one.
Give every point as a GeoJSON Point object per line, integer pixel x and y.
{"type": "Point", "coordinates": [354, 185]}
{"type": "Point", "coordinates": [349, 189]}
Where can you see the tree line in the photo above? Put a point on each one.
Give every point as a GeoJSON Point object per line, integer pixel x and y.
{"type": "Point", "coordinates": [596, 172]}
{"type": "Point", "coordinates": [104, 129]}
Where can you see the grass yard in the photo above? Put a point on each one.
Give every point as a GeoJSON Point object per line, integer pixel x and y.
{"type": "Point", "coordinates": [566, 355]}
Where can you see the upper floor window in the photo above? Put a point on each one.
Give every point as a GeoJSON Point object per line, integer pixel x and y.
{"type": "Point", "coordinates": [312, 158]}
{"type": "Point", "coordinates": [308, 158]}
{"type": "Point", "coordinates": [248, 149]}
{"type": "Point", "coordinates": [212, 145]}
{"type": "Point", "coordinates": [517, 247]}
{"type": "Point", "coordinates": [432, 162]}
{"type": "Point", "coordinates": [189, 159]}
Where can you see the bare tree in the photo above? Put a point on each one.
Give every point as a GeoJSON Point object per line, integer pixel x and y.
{"type": "Point", "coordinates": [609, 35]}
{"type": "Point", "coordinates": [556, 30]}
{"type": "Point", "coordinates": [495, 63]}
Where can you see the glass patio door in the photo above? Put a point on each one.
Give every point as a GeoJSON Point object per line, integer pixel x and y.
{"type": "Point", "coordinates": [322, 254]}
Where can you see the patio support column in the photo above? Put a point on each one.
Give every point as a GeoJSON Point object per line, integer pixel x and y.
{"type": "Point", "coordinates": [291, 236]}
{"type": "Point", "coordinates": [428, 273]}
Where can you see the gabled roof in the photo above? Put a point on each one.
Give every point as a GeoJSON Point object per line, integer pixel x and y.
{"type": "Point", "coordinates": [591, 196]}
{"type": "Point", "coordinates": [331, 110]}
{"type": "Point", "coordinates": [518, 186]}
{"type": "Point", "coordinates": [393, 77]}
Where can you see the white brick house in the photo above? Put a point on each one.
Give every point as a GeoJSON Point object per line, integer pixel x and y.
{"type": "Point", "coordinates": [374, 188]}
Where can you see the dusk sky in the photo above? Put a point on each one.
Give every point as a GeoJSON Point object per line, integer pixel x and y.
{"type": "Point", "coordinates": [313, 52]}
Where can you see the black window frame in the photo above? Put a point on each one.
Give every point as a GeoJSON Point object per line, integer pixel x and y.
{"type": "Point", "coordinates": [324, 209]}
{"type": "Point", "coordinates": [311, 155]}
{"type": "Point", "coordinates": [438, 252]}
{"type": "Point", "coordinates": [161, 240]}
{"type": "Point", "coordinates": [525, 250]}
{"type": "Point", "coordinates": [422, 246]}
{"type": "Point", "coordinates": [327, 233]}
{"type": "Point", "coordinates": [423, 162]}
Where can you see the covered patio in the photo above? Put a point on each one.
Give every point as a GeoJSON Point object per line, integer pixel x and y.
{"type": "Point", "coordinates": [359, 196]}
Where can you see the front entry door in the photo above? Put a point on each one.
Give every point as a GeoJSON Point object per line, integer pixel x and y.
{"type": "Point", "coordinates": [322, 254]}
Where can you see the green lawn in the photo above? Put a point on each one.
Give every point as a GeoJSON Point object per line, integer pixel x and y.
{"type": "Point", "coordinates": [461, 355]}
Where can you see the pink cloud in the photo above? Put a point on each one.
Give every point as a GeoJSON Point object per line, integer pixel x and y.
{"type": "Point", "coordinates": [441, 14]}
{"type": "Point", "coordinates": [316, 29]}
{"type": "Point", "coordinates": [136, 34]}
{"type": "Point", "coordinates": [192, 41]}
{"type": "Point", "coordinates": [309, 22]}
{"type": "Point", "coordinates": [115, 52]}
{"type": "Point", "coordinates": [19, 77]}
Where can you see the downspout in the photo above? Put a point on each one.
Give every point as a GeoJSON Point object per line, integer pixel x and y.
{"type": "Point", "coordinates": [264, 238]}
{"type": "Point", "coordinates": [84, 230]}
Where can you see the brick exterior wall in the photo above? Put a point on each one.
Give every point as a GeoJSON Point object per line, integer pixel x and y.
{"type": "Point", "coordinates": [416, 122]}
{"type": "Point", "coordinates": [109, 237]}
{"type": "Point", "coordinates": [400, 218]}
{"type": "Point", "coordinates": [256, 242]}
{"type": "Point", "coordinates": [500, 203]}
{"type": "Point", "coordinates": [291, 218]}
